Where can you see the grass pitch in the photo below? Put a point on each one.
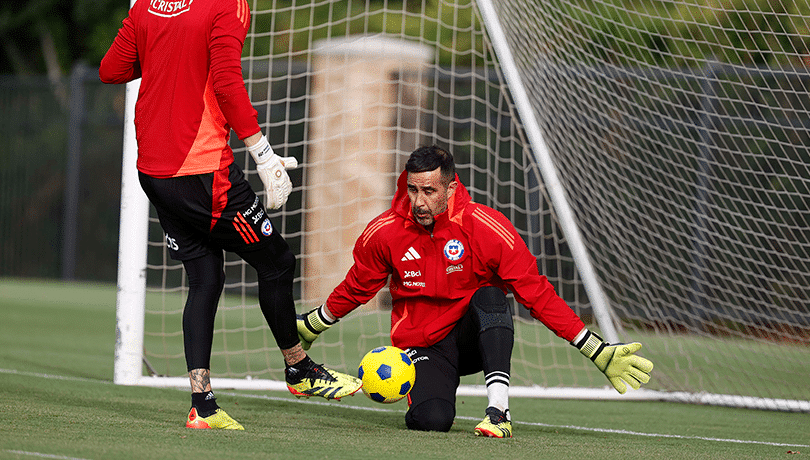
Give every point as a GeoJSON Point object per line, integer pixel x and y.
{"type": "Point", "coordinates": [57, 400]}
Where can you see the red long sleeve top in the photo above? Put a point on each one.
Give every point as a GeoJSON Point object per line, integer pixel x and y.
{"type": "Point", "coordinates": [188, 53]}
{"type": "Point", "coordinates": [434, 275]}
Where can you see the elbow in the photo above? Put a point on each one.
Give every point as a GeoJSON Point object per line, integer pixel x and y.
{"type": "Point", "coordinates": [113, 74]}
{"type": "Point", "coordinates": [105, 72]}
{"type": "Point", "coordinates": [107, 75]}
{"type": "Point", "coordinates": [106, 78]}
{"type": "Point", "coordinates": [104, 75]}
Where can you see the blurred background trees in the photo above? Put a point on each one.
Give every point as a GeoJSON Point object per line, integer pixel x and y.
{"type": "Point", "coordinates": [49, 36]}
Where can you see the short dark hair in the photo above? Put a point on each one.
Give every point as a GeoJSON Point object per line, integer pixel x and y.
{"type": "Point", "coordinates": [429, 158]}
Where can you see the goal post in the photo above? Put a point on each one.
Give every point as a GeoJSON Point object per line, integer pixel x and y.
{"type": "Point", "coordinates": [653, 156]}
{"type": "Point", "coordinates": [420, 111]}
{"type": "Point", "coordinates": [679, 132]}
{"type": "Point", "coordinates": [132, 251]}
{"type": "Point", "coordinates": [548, 170]}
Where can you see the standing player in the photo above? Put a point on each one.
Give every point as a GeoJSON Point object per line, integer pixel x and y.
{"type": "Point", "coordinates": [450, 262]}
{"type": "Point", "coordinates": [188, 55]}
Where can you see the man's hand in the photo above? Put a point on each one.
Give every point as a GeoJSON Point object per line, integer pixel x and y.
{"type": "Point", "coordinates": [618, 362]}
{"type": "Point", "coordinates": [272, 170]}
{"type": "Point", "coordinates": [311, 325]}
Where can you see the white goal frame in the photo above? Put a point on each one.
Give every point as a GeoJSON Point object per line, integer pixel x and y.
{"type": "Point", "coordinates": [133, 245]}
{"type": "Point", "coordinates": [130, 361]}
{"type": "Point", "coordinates": [598, 299]}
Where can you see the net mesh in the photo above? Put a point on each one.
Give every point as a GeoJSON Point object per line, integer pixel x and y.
{"type": "Point", "coordinates": [679, 130]}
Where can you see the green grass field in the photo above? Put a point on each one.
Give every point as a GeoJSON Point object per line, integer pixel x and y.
{"type": "Point", "coordinates": [57, 400]}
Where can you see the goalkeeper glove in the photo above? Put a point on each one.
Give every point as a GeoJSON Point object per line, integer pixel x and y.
{"type": "Point", "coordinates": [312, 324]}
{"type": "Point", "coordinates": [272, 170]}
{"type": "Point", "coordinates": [618, 362]}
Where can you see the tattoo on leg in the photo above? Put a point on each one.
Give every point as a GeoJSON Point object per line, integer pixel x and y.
{"type": "Point", "coordinates": [200, 380]}
{"type": "Point", "coordinates": [294, 354]}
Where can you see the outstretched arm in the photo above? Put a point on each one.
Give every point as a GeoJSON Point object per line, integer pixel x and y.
{"type": "Point", "coordinates": [365, 278]}
{"type": "Point", "coordinates": [511, 260]}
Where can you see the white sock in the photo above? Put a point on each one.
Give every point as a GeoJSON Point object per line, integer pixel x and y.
{"type": "Point", "coordinates": [498, 390]}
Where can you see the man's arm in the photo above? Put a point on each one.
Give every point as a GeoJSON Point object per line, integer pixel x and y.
{"type": "Point", "coordinates": [120, 64]}
{"type": "Point", "coordinates": [518, 268]}
{"type": "Point", "coordinates": [229, 87]}
{"type": "Point", "coordinates": [370, 270]}
{"type": "Point", "coordinates": [225, 50]}
{"type": "Point", "coordinates": [250, 141]}
{"type": "Point", "coordinates": [365, 278]}
{"type": "Point", "coordinates": [504, 251]}
{"type": "Point", "coordinates": [347, 296]}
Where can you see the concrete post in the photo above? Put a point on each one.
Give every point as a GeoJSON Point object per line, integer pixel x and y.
{"type": "Point", "coordinates": [367, 95]}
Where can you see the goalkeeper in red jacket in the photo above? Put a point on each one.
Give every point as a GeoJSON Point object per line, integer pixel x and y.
{"type": "Point", "coordinates": [450, 263]}
{"type": "Point", "coordinates": [188, 55]}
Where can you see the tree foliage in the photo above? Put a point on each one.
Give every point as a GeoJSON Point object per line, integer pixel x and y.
{"type": "Point", "coordinates": [41, 36]}
{"type": "Point", "coordinates": [49, 36]}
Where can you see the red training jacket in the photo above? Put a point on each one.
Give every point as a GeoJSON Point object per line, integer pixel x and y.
{"type": "Point", "coordinates": [433, 276]}
{"type": "Point", "coordinates": [188, 53]}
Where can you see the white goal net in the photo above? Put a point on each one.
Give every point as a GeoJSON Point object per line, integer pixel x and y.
{"type": "Point", "coordinates": [653, 155]}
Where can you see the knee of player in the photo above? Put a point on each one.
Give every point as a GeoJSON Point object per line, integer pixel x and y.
{"type": "Point", "coordinates": [210, 280]}
{"type": "Point", "coordinates": [287, 263]}
{"type": "Point", "coordinates": [491, 308]}
{"type": "Point", "coordinates": [431, 415]}
{"type": "Point", "coordinates": [287, 260]}
{"type": "Point", "coordinates": [279, 266]}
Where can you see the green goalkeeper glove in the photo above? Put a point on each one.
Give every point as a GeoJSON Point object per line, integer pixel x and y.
{"type": "Point", "coordinates": [311, 325]}
{"type": "Point", "coordinates": [618, 362]}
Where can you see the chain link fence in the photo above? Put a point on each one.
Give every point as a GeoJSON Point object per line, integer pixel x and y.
{"type": "Point", "coordinates": [60, 176]}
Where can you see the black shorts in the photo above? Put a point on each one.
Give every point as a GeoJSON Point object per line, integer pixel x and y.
{"type": "Point", "coordinates": [439, 367]}
{"type": "Point", "coordinates": [209, 212]}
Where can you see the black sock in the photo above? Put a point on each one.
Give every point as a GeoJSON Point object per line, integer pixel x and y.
{"type": "Point", "coordinates": [297, 371]}
{"type": "Point", "coordinates": [205, 403]}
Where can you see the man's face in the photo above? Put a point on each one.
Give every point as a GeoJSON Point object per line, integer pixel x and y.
{"type": "Point", "coordinates": [428, 195]}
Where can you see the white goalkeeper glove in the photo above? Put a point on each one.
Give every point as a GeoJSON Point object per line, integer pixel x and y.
{"type": "Point", "coordinates": [272, 170]}
{"type": "Point", "coordinates": [312, 324]}
{"type": "Point", "coordinates": [618, 362]}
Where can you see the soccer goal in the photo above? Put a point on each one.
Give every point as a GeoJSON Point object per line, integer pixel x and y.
{"type": "Point", "coordinates": [653, 155]}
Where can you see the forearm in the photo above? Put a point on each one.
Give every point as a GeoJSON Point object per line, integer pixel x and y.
{"type": "Point", "coordinates": [229, 88]}
{"type": "Point", "coordinates": [328, 313]}
{"type": "Point", "coordinates": [349, 295]}
{"type": "Point", "coordinates": [251, 140]}
{"type": "Point", "coordinates": [545, 305]}
{"type": "Point", "coordinates": [119, 74]}
{"type": "Point", "coordinates": [120, 64]}
{"type": "Point", "coordinates": [579, 336]}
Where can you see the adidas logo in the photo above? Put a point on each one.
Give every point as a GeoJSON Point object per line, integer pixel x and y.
{"type": "Point", "coordinates": [326, 392]}
{"type": "Point", "coordinates": [411, 254]}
